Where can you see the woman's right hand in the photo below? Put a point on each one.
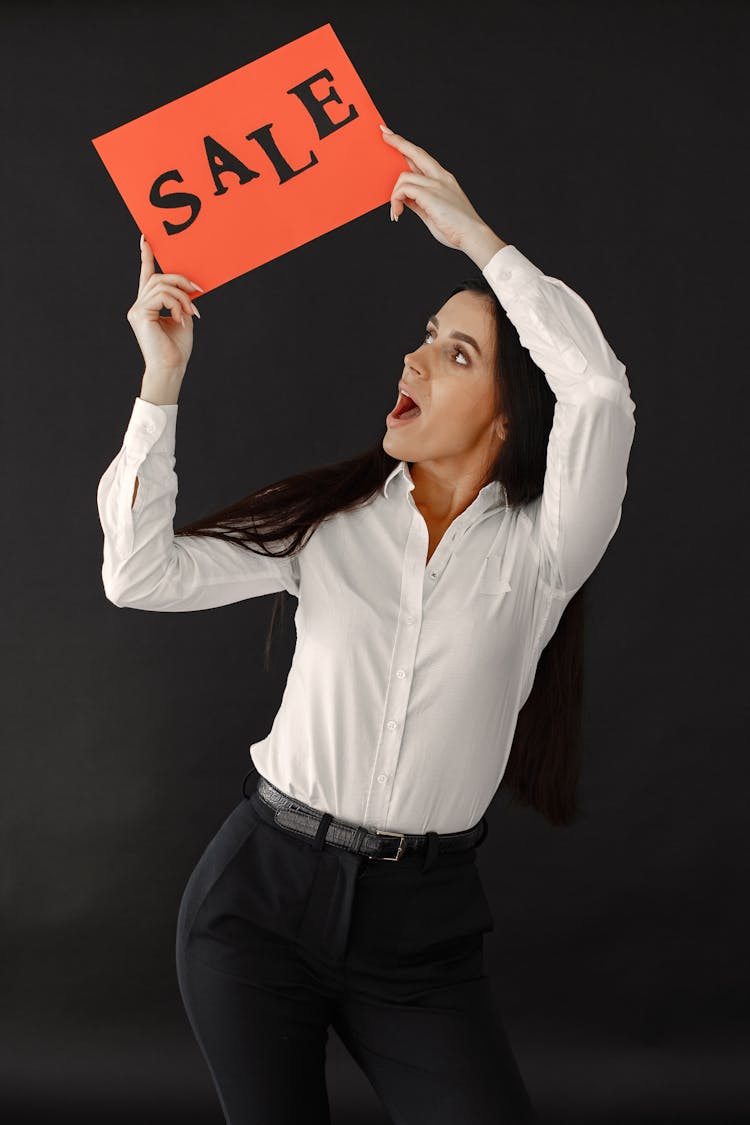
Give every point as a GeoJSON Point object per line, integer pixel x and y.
{"type": "Point", "coordinates": [165, 341]}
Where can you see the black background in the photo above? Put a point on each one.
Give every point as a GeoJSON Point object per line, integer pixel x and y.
{"type": "Point", "coordinates": [609, 143]}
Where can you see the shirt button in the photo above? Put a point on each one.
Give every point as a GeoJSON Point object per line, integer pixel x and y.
{"type": "Point", "coordinates": [149, 427]}
{"type": "Point", "coordinates": [433, 574]}
{"type": "Point", "coordinates": [401, 673]}
{"type": "Point", "coordinates": [381, 777]}
{"type": "Point", "coordinates": [410, 620]}
{"type": "Point", "coordinates": [391, 724]}
{"type": "Point", "coordinates": [504, 274]}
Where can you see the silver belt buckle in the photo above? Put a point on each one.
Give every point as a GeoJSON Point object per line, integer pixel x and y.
{"type": "Point", "coordinates": [401, 846]}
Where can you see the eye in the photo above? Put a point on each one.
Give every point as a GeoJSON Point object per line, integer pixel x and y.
{"type": "Point", "coordinates": [456, 349]}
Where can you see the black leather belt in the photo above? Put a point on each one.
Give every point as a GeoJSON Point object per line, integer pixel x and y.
{"type": "Point", "coordinates": [376, 844]}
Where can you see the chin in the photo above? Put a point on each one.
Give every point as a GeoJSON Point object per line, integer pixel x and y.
{"type": "Point", "coordinates": [397, 445]}
{"type": "Point", "coordinates": [388, 439]}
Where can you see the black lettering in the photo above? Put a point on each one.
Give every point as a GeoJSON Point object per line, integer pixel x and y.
{"type": "Point", "coordinates": [313, 105]}
{"type": "Point", "coordinates": [174, 199]}
{"type": "Point", "coordinates": [221, 161]}
{"type": "Point", "coordinates": [268, 144]}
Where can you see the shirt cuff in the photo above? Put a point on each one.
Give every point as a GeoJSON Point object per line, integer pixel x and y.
{"type": "Point", "coordinates": [509, 271]}
{"type": "Point", "coordinates": [151, 428]}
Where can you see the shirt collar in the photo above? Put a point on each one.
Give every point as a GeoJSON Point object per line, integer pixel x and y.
{"type": "Point", "coordinates": [401, 469]}
{"type": "Point", "coordinates": [492, 493]}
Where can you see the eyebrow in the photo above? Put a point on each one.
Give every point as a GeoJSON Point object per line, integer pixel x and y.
{"type": "Point", "coordinates": [458, 335]}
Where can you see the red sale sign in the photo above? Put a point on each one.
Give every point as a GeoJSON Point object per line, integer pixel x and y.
{"type": "Point", "coordinates": [255, 163]}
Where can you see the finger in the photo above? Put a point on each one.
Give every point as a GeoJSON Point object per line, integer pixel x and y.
{"type": "Point", "coordinates": [414, 178]}
{"type": "Point", "coordinates": [425, 163]}
{"type": "Point", "coordinates": [147, 265]}
{"type": "Point", "coordinates": [408, 183]}
{"type": "Point", "coordinates": [177, 282]}
{"type": "Point", "coordinates": [178, 279]}
{"type": "Point", "coordinates": [179, 298]}
{"type": "Point", "coordinates": [162, 295]}
{"type": "Point", "coordinates": [412, 197]}
{"type": "Point", "coordinates": [414, 206]}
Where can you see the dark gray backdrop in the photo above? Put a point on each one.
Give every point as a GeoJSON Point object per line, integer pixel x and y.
{"type": "Point", "coordinates": [607, 142]}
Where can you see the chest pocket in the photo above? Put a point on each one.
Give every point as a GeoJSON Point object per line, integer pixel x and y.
{"type": "Point", "coordinates": [492, 580]}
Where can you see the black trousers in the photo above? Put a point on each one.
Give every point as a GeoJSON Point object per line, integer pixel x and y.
{"type": "Point", "coordinates": [279, 939]}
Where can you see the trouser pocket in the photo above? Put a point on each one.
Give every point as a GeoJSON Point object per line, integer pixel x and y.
{"type": "Point", "coordinates": [233, 835]}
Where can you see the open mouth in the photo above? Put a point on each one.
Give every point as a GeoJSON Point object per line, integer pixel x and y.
{"type": "Point", "coordinates": [405, 407]}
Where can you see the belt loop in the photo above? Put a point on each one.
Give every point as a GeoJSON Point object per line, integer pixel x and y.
{"type": "Point", "coordinates": [431, 851]}
{"type": "Point", "coordinates": [320, 835]}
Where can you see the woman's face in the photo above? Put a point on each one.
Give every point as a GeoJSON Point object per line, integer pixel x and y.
{"type": "Point", "coordinates": [452, 379]}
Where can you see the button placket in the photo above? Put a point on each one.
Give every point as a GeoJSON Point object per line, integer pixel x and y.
{"type": "Point", "coordinates": [397, 695]}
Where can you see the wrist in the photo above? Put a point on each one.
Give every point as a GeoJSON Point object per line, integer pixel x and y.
{"type": "Point", "coordinates": [162, 388]}
{"type": "Point", "coordinates": [481, 244]}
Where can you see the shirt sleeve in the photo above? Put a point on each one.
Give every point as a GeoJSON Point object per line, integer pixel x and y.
{"type": "Point", "coordinates": [144, 565]}
{"type": "Point", "coordinates": [593, 425]}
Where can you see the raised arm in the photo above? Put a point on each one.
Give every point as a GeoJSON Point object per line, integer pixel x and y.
{"type": "Point", "coordinates": [593, 426]}
{"type": "Point", "coordinates": [145, 565]}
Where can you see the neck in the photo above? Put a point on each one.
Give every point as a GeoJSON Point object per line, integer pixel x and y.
{"type": "Point", "coordinates": [441, 498]}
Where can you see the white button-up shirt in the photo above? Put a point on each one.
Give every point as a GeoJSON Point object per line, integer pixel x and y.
{"type": "Point", "coordinates": [407, 677]}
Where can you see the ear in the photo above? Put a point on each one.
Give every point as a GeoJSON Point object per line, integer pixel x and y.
{"type": "Point", "coordinates": [501, 426]}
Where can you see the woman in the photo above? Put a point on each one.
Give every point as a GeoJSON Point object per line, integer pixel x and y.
{"type": "Point", "coordinates": [439, 578]}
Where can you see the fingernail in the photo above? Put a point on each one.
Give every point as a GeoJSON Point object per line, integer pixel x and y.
{"type": "Point", "coordinates": [386, 129]}
{"type": "Point", "coordinates": [197, 287]}
{"type": "Point", "coordinates": [391, 212]}
{"type": "Point", "coordinates": [192, 306]}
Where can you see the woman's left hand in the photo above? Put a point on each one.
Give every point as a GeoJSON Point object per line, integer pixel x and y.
{"type": "Point", "coordinates": [433, 193]}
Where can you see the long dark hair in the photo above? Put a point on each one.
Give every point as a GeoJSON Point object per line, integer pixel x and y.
{"type": "Point", "coordinates": [544, 762]}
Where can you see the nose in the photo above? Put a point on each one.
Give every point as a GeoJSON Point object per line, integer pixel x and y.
{"type": "Point", "coordinates": [409, 361]}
